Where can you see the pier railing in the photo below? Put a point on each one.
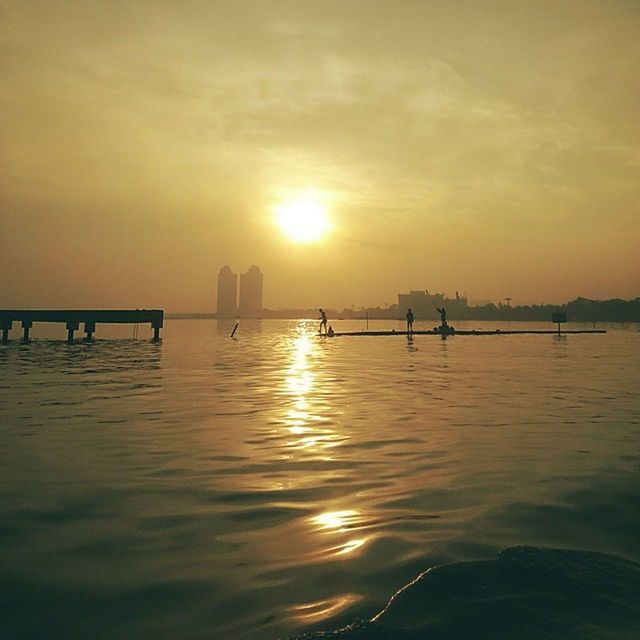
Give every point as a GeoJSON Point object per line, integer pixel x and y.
{"type": "Point", "coordinates": [73, 318]}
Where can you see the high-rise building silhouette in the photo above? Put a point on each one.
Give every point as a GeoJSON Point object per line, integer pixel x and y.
{"type": "Point", "coordinates": [227, 293]}
{"type": "Point", "coordinates": [251, 293]}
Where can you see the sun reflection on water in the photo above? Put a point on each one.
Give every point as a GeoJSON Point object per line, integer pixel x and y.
{"type": "Point", "coordinates": [311, 612]}
{"type": "Point", "coordinates": [339, 521]}
{"type": "Point", "coordinates": [308, 428]}
{"type": "Point", "coordinates": [350, 546]}
{"type": "Point", "coordinates": [336, 522]}
{"type": "Point", "coordinates": [307, 416]}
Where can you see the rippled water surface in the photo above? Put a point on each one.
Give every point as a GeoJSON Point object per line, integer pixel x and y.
{"type": "Point", "coordinates": [281, 483]}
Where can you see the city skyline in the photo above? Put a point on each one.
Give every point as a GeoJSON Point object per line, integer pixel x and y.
{"type": "Point", "coordinates": [240, 296]}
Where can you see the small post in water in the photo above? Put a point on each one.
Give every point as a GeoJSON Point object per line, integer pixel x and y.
{"type": "Point", "coordinates": [233, 333]}
{"type": "Point", "coordinates": [558, 317]}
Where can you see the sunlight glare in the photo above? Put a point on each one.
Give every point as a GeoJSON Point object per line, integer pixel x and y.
{"type": "Point", "coordinates": [311, 612]}
{"type": "Point", "coordinates": [337, 520]}
{"type": "Point", "coordinates": [303, 220]}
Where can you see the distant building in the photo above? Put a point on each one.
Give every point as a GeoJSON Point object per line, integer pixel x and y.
{"type": "Point", "coordinates": [227, 293]}
{"type": "Point", "coordinates": [424, 304]}
{"type": "Point", "coordinates": [251, 293]}
{"type": "Point", "coordinates": [480, 303]}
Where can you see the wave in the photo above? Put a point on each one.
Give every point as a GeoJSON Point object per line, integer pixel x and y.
{"type": "Point", "coordinates": [526, 592]}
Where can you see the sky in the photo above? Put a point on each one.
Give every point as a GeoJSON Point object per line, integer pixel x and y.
{"type": "Point", "coordinates": [486, 147]}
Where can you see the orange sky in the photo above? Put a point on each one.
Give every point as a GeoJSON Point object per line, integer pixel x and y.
{"type": "Point", "coordinates": [487, 147]}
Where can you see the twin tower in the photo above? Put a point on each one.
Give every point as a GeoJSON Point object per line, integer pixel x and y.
{"type": "Point", "coordinates": [249, 304]}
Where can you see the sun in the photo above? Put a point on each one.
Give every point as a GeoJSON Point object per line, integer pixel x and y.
{"type": "Point", "coordinates": [303, 220]}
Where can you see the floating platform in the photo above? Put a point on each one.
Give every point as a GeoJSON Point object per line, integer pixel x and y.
{"type": "Point", "coordinates": [73, 317]}
{"type": "Point", "coordinates": [466, 332]}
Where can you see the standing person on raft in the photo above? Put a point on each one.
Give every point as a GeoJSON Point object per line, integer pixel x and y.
{"type": "Point", "coordinates": [409, 317]}
{"type": "Point", "coordinates": [323, 321]}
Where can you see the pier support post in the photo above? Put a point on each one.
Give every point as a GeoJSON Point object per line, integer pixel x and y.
{"type": "Point", "coordinates": [157, 325]}
{"type": "Point", "coordinates": [6, 327]}
{"type": "Point", "coordinates": [71, 327]}
{"type": "Point", "coordinates": [89, 330]}
{"type": "Point", "coordinates": [26, 326]}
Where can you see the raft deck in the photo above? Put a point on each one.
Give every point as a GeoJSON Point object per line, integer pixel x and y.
{"type": "Point", "coordinates": [466, 332]}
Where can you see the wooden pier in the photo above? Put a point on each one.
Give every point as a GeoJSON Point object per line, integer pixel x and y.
{"type": "Point", "coordinates": [73, 318]}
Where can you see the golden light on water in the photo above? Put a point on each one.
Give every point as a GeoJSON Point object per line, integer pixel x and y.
{"type": "Point", "coordinates": [311, 612]}
{"type": "Point", "coordinates": [303, 219]}
{"type": "Point", "coordinates": [350, 546]}
{"type": "Point", "coordinates": [300, 383]}
{"type": "Point", "coordinates": [336, 520]}
{"type": "Point", "coordinates": [300, 378]}
{"type": "Point", "coordinates": [304, 418]}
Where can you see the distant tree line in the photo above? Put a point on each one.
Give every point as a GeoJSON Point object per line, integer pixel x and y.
{"type": "Point", "coordinates": [578, 310]}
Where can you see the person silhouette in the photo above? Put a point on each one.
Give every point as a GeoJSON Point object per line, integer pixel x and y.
{"type": "Point", "coordinates": [323, 321]}
{"type": "Point", "coordinates": [409, 317]}
{"type": "Point", "coordinates": [443, 315]}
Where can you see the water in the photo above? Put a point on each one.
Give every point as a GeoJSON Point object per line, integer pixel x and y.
{"type": "Point", "coordinates": [280, 484]}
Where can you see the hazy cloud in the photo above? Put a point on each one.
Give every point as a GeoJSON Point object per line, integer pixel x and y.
{"type": "Point", "coordinates": [455, 141]}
